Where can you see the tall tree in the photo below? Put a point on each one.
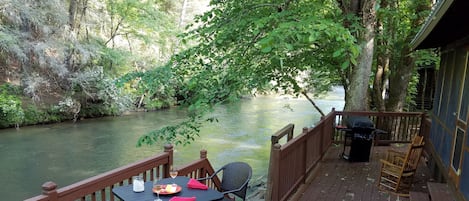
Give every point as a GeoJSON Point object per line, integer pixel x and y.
{"type": "Point", "coordinates": [361, 13]}
{"type": "Point", "coordinates": [258, 42]}
{"type": "Point", "coordinates": [398, 23]}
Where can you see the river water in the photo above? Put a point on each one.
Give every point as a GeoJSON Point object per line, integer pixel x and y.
{"type": "Point", "coordinates": [69, 152]}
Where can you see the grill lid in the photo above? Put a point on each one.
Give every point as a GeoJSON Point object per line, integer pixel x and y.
{"type": "Point", "coordinates": [360, 122]}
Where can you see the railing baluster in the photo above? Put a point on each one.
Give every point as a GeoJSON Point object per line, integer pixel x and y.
{"type": "Point", "coordinates": [103, 194]}
{"type": "Point", "coordinates": [93, 196]}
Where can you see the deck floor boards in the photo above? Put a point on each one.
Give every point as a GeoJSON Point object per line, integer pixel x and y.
{"type": "Point", "coordinates": [340, 180]}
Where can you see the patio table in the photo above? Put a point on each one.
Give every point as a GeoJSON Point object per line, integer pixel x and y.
{"type": "Point", "coordinates": [127, 194]}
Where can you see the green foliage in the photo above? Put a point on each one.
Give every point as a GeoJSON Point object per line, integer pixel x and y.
{"type": "Point", "coordinates": [182, 133]}
{"type": "Point", "coordinates": [146, 25]}
{"type": "Point", "coordinates": [427, 57]}
{"type": "Point", "coordinates": [246, 45]}
{"type": "Point", "coordinates": [115, 62]}
{"type": "Point", "coordinates": [92, 84]}
{"type": "Point", "coordinates": [412, 93]}
{"type": "Point", "coordinates": [242, 47]}
{"type": "Point", "coordinates": [33, 115]}
{"type": "Point", "coordinates": [92, 110]}
{"type": "Point", "coordinates": [11, 112]}
{"type": "Point", "coordinates": [157, 85]}
{"type": "Point", "coordinates": [50, 46]}
{"type": "Point", "coordinates": [399, 21]}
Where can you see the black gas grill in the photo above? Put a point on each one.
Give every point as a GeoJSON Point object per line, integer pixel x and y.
{"type": "Point", "coordinates": [360, 131]}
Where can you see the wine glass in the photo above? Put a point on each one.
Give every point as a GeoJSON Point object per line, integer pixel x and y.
{"type": "Point", "coordinates": [157, 189]}
{"type": "Point", "coordinates": [173, 172]}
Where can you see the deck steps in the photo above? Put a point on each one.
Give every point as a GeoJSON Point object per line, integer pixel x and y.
{"type": "Point", "coordinates": [440, 192]}
{"type": "Point", "coordinates": [419, 196]}
{"type": "Point", "coordinates": [436, 192]}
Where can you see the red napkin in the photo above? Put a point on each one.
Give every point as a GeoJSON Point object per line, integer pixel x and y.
{"type": "Point", "coordinates": [196, 184]}
{"type": "Point", "coordinates": [176, 198]}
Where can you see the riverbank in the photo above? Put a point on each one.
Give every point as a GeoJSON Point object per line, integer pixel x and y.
{"type": "Point", "coordinates": [257, 189]}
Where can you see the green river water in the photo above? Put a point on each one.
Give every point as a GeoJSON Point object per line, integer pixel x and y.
{"type": "Point", "coordinates": [69, 152]}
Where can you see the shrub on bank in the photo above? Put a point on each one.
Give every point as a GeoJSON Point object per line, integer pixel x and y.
{"type": "Point", "coordinates": [11, 113]}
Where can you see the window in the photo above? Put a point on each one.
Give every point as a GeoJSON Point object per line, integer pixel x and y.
{"type": "Point", "coordinates": [458, 145]}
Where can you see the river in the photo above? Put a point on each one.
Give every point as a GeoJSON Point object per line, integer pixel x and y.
{"type": "Point", "coordinates": [69, 152]}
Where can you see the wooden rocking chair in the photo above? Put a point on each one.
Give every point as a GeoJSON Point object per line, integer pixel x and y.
{"type": "Point", "coordinates": [398, 169]}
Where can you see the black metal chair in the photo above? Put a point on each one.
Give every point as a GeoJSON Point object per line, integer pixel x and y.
{"type": "Point", "coordinates": [234, 180]}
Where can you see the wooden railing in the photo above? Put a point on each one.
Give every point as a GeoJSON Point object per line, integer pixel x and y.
{"type": "Point", "coordinates": [199, 169]}
{"type": "Point", "coordinates": [99, 187]}
{"type": "Point", "coordinates": [398, 126]}
{"type": "Point", "coordinates": [293, 161]}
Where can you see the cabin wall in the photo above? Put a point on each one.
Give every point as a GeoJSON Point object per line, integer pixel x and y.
{"type": "Point", "coordinates": [450, 118]}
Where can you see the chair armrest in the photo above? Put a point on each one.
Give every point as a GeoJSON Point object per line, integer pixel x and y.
{"type": "Point", "coordinates": [392, 152]}
{"type": "Point", "coordinates": [238, 189]}
{"type": "Point", "coordinates": [395, 157]}
{"type": "Point", "coordinates": [206, 178]}
{"type": "Point", "coordinates": [387, 163]}
{"type": "Point", "coordinates": [203, 179]}
{"type": "Point", "coordinates": [209, 177]}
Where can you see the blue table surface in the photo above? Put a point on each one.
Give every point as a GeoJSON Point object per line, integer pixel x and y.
{"type": "Point", "coordinates": [127, 194]}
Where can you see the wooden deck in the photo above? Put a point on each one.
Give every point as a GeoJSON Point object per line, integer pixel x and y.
{"type": "Point", "coordinates": [339, 180]}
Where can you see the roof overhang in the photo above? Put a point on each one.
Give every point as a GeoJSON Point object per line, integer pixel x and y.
{"type": "Point", "coordinates": [447, 23]}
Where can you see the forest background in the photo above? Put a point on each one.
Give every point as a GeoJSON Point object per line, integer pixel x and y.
{"type": "Point", "coordinates": [71, 59]}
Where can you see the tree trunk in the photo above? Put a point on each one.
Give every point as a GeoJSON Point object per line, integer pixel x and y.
{"type": "Point", "coordinates": [402, 69]}
{"type": "Point", "coordinates": [399, 82]}
{"type": "Point", "coordinates": [379, 83]}
{"type": "Point", "coordinates": [383, 57]}
{"type": "Point", "coordinates": [357, 95]}
{"type": "Point", "coordinates": [182, 16]}
{"type": "Point", "coordinates": [72, 11]}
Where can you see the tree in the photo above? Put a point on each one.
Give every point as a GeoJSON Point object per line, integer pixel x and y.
{"type": "Point", "coordinates": [360, 14]}
{"type": "Point", "coordinates": [398, 23]}
{"type": "Point", "coordinates": [269, 45]}
{"type": "Point", "coordinates": [248, 47]}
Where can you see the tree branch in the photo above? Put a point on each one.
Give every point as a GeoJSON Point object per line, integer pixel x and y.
{"type": "Point", "coordinates": [114, 32]}
{"type": "Point", "coordinates": [312, 102]}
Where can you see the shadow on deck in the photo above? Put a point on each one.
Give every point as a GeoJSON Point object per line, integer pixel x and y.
{"type": "Point", "coordinates": [336, 179]}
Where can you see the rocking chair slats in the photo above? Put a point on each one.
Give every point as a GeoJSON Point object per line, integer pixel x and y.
{"type": "Point", "coordinates": [398, 169]}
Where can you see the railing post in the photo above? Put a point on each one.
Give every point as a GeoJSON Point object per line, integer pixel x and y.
{"type": "Point", "coordinates": [50, 190]}
{"type": "Point", "coordinates": [203, 154]}
{"type": "Point", "coordinates": [273, 179]}
{"type": "Point", "coordinates": [321, 138]}
{"type": "Point", "coordinates": [290, 133]}
{"type": "Point", "coordinates": [168, 148]}
{"type": "Point", "coordinates": [305, 156]}
{"type": "Point", "coordinates": [423, 119]}
{"type": "Point", "coordinates": [424, 127]}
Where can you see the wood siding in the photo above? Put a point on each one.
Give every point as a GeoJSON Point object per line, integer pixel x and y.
{"type": "Point", "coordinates": [449, 130]}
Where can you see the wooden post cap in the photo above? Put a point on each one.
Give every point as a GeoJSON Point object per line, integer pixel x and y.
{"type": "Point", "coordinates": [48, 187]}
{"type": "Point", "coordinates": [203, 153]}
{"type": "Point", "coordinates": [168, 147]}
